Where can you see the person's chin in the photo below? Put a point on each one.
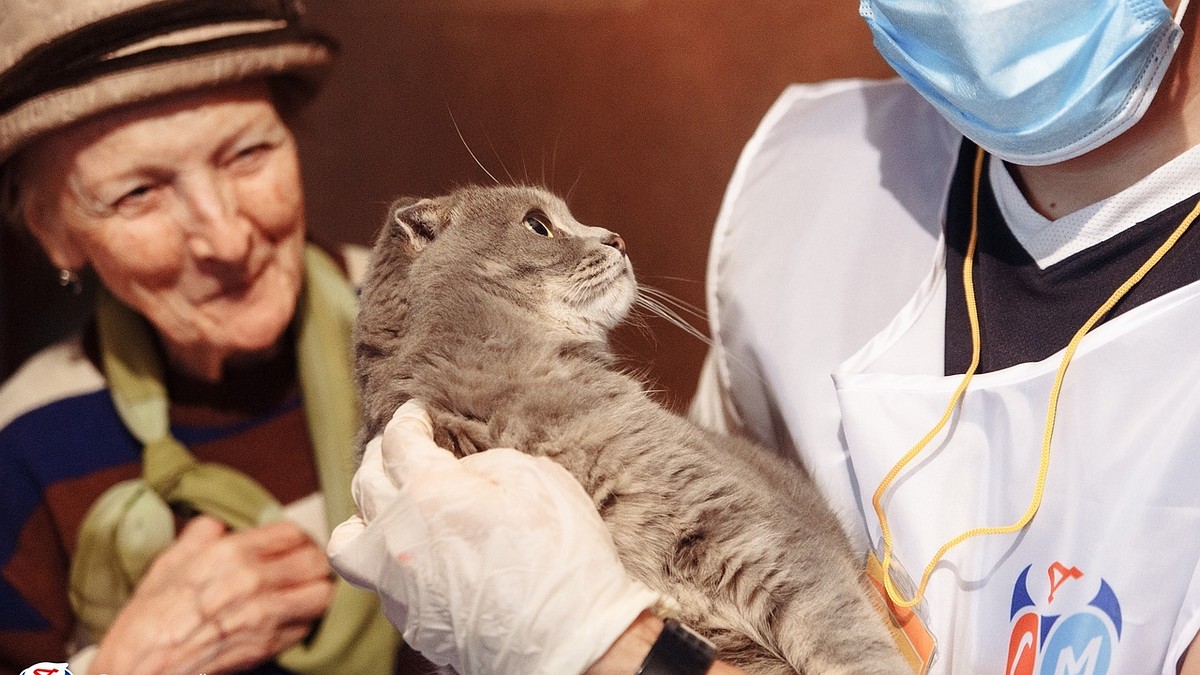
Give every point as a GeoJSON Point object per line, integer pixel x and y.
{"type": "Point", "coordinates": [251, 331]}
{"type": "Point", "coordinates": [249, 326]}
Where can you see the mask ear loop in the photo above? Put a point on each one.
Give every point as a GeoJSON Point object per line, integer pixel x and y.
{"type": "Point", "coordinates": [1179, 11]}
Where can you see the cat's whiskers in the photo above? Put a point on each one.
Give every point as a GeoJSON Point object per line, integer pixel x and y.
{"type": "Point", "coordinates": [659, 303]}
{"type": "Point", "coordinates": [500, 159]}
{"type": "Point", "coordinates": [668, 299]}
{"type": "Point", "coordinates": [458, 130]}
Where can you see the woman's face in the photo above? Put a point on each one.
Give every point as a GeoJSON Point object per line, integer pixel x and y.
{"type": "Point", "coordinates": [189, 209]}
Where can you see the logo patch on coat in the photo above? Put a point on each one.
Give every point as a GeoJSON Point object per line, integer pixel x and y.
{"type": "Point", "coordinates": [1057, 629]}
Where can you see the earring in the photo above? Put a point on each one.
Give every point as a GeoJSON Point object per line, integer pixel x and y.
{"type": "Point", "coordinates": [70, 279]}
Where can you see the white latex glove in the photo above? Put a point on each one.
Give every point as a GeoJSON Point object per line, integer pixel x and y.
{"type": "Point", "coordinates": [496, 563]}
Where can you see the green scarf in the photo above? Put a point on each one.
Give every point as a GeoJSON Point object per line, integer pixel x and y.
{"type": "Point", "coordinates": [132, 522]}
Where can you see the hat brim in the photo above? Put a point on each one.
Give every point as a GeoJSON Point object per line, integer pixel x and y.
{"type": "Point", "coordinates": [307, 60]}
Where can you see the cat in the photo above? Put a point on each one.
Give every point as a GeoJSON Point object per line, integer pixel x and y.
{"type": "Point", "coordinates": [492, 306]}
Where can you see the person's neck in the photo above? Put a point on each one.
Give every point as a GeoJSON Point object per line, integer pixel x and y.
{"type": "Point", "coordinates": [208, 365]}
{"type": "Point", "coordinates": [1170, 127]}
{"type": "Point", "coordinates": [246, 386]}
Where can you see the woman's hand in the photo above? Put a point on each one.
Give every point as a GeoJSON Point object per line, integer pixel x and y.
{"type": "Point", "coordinates": [217, 601]}
{"type": "Point", "coordinates": [497, 563]}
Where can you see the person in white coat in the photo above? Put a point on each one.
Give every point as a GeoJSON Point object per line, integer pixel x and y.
{"type": "Point", "coordinates": [966, 300]}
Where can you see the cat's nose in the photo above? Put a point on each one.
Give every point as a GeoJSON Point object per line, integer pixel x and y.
{"type": "Point", "coordinates": [615, 241]}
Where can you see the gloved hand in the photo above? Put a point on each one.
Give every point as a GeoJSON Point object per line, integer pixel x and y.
{"type": "Point", "coordinates": [496, 563]}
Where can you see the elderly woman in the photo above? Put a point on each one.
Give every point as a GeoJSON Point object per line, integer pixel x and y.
{"type": "Point", "coordinates": [168, 477]}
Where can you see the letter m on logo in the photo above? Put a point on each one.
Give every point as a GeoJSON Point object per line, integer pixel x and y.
{"type": "Point", "coordinates": [1083, 663]}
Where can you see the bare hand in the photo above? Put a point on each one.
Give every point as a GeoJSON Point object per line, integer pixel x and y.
{"type": "Point", "coordinates": [215, 602]}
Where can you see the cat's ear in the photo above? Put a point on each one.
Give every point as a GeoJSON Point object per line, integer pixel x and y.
{"type": "Point", "coordinates": [415, 221]}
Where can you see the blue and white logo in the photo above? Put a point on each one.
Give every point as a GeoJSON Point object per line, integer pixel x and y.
{"type": "Point", "coordinates": [47, 668]}
{"type": "Point", "coordinates": [1074, 636]}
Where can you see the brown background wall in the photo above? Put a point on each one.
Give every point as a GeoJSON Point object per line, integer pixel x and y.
{"type": "Point", "coordinates": [635, 108]}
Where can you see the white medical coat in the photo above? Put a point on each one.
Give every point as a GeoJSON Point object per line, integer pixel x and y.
{"type": "Point", "coordinates": [827, 300]}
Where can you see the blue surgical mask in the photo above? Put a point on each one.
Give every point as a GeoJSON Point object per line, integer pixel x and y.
{"type": "Point", "coordinates": [1032, 81]}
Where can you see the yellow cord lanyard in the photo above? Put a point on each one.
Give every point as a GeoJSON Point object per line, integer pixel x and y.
{"type": "Point", "coordinates": [1048, 432]}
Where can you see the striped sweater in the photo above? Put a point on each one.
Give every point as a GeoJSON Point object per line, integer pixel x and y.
{"type": "Point", "coordinates": [62, 446]}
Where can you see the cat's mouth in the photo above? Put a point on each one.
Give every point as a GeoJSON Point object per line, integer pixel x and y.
{"type": "Point", "coordinates": [600, 277]}
{"type": "Point", "coordinates": [606, 294]}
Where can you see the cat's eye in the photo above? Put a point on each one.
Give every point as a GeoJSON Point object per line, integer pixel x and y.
{"type": "Point", "coordinates": [538, 223]}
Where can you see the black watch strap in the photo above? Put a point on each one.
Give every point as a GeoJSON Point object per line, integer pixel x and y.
{"type": "Point", "coordinates": [679, 650]}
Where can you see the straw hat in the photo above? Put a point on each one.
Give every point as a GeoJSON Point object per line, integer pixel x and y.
{"type": "Point", "coordinates": [63, 60]}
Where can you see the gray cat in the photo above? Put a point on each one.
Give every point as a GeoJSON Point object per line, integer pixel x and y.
{"type": "Point", "coordinates": [492, 306]}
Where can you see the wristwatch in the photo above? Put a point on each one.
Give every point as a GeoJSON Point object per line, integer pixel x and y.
{"type": "Point", "coordinates": [679, 650]}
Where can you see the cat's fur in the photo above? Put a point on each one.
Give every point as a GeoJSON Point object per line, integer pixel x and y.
{"type": "Point", "coordinates": [501, 333]}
